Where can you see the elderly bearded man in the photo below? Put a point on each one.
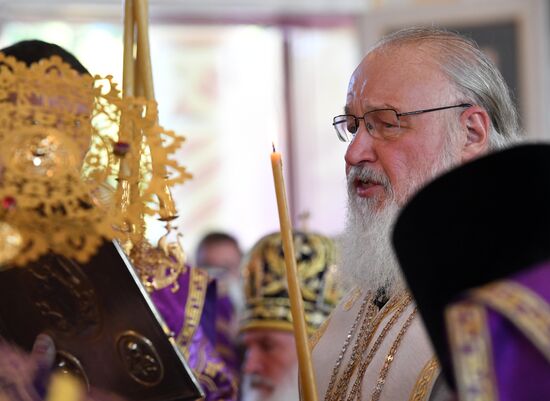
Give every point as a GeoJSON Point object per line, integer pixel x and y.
{"type": "Point", "coordinates": [420, 102]}
{"type": "Point", "coordinates": [270, 367]}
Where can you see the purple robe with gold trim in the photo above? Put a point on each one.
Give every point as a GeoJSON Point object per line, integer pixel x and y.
{"type": "Point", "coordinates": [522, 371]}
{"type": "Point", "coordinates": [190, 313]}
{"type": "Point", "coordinates": [500, 338]}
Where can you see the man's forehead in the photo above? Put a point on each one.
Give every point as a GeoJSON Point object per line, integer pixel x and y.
{"type": "Point", "coordinates": [398, 80]}
{"type": "Point", "coordinates": [368, 106]}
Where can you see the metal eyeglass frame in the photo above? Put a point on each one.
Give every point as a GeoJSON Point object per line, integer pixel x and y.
{"type": "Point", "coordinates": [408, 113]}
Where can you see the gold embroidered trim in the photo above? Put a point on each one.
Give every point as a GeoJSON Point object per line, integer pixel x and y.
{"type": "Point", "coordinates": [523, 307]}
{"type": "Point", "coordinates": [390, 358]}
{"type": "Point", "coordinates": [320, 332]}
{"type": "Point", "coordinates": [471, 351]}
{"type": "Point", "coordinates": [349, 302]}
{"type": "Point", "coordinates": [211, 372]}
{"type": "Point", "coordinates": [271, 324]}
{"type": "Point", "coordinates": [265, 285]}
{"type": "Point", "coordinates": [198, 281]}
{"type": "Point", "coordinates": [425, 381]}
{"type": "Point", "coordinates": [224, 351]}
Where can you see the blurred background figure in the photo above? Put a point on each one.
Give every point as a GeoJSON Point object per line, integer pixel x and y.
{"type": "Point", "coordinates": [30, 376]}
{"type": "Point", "coordinates": [220, 255]}
{"type": "Point", "coordinates": [270, 368]}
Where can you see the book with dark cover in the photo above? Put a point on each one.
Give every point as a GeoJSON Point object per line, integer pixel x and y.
{"type": "Point", "coordinates": [106, 329]}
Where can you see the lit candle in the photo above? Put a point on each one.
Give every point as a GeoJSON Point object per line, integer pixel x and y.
{"type": "Point", "coordinates": [307, 377]}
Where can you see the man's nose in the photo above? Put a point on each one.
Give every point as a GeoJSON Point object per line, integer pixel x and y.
{"type": "Point", "coordinates": [252, 362]}
{"type": "Point", "coordinates": [361, 148]}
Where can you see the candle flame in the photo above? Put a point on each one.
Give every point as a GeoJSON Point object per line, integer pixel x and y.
{"type": "Point", "coordinates": [274, 141]}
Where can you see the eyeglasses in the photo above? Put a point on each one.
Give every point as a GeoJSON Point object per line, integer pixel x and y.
{"type": "Point", "coordinates": [380, 123]}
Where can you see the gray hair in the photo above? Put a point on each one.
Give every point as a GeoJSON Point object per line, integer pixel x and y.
{"type": "Point", "coordinates": [475, 76]}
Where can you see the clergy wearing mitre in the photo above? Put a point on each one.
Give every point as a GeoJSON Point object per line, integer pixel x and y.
{"type": "Point", "coordinates": [46, 141]}
{"type": "Point", "coordinates": [27, 376]}
{"type": "Point", "coordinates": [270, 366]}
{"type": "Point", "coordinates": [421, 101]}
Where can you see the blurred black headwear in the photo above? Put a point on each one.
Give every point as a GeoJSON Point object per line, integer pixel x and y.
{"type": "Point", "coordinates": [32, 51]}
{"type": "Point", "coordinates": [476, 224]}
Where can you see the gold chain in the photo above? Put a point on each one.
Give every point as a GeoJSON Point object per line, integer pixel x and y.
{"type": "Point", "coordinates": [370, 323]}
{"type": "Point", "coordinates": [366, 333]}
{"type": "Point", "coordinates": [355, 392]}
{"type": "Point", "coordinates": [390, 357]}
{"type": "Point", "coordinates": [366, 301]}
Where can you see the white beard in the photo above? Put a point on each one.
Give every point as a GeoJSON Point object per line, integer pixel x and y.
{"type": "Point", "coordinates": [286, 390]}
{"type": "Point", "coordinates": [368, 260]}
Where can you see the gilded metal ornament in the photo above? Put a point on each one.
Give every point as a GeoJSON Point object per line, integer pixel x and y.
{"type": "Point", "coordinates": [159, 267]}
{"type": "Point", "coordinates": [66, 143]}
{"type": "Point", "coordinates": [140, 358]}
{"type": "Point", "coordinates": [77, 312]}
{"type": "Point", "coordinates": [11, 242]}
{"type": "Point", "coordinates": [67, 363]}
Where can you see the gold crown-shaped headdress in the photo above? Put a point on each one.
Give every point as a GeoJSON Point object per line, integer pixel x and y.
{"type": "Point", "coordinates": [63, 140]}
{"type": "Point", "coordinates": [267, 299]}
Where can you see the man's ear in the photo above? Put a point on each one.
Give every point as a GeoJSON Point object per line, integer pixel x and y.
{"type": "Point", "coordinates": [477, 124]}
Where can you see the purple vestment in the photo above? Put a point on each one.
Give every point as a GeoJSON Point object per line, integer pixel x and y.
{"type": "Point", "coordinates": [190, 313]}
{"type": "Point", "coordinates": [522, 371]}
{"type": "Point", "coordinates": [500, 338]}
{"type": "Point", "coordinates": [225, 337]}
